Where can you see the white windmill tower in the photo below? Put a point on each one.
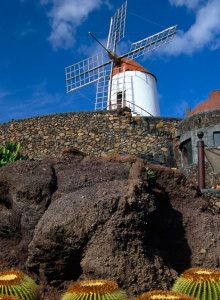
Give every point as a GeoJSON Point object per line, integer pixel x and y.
{"type": "Point", "coordinates": [121, 81]}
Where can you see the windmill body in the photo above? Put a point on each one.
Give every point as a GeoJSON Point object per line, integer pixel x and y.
{"type": "Point", "coordinates": [133, 86]}
{"type": "Point", "coordinates": [121, 81]}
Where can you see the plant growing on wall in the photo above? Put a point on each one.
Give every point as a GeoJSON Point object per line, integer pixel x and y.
{"type": "Point", "coordinates": [201, 283]}
{"type": "Point", "coordinates": [159, 125]}
{"type": "Point", "coordinates": [164, 295]}
{"type": "Point", "coordinates": [150, 174]}
{"type": "Point", "coordinates": [16, 283]}
{"type": "Point", "coordinates": [10, 153]}
{"type": "Point", "coordinates": [95, 290]}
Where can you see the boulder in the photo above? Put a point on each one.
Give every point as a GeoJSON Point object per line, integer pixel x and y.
{"type": "Point", "coordinates": [75, 217]}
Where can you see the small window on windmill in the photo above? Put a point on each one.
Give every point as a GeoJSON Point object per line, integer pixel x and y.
{"type": "Point", "coordinates": [186, 149]}
{"type": "Point", "coordinates": [120, 99]}
{"type": "Point", "coordinates": [216, 138]}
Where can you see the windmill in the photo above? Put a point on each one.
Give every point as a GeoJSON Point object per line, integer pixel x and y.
{"type": "Point", "coordinates": [121, 81]}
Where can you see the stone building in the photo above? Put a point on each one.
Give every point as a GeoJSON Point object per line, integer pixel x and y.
{"type": "Point", "coordinates": [204, 117]}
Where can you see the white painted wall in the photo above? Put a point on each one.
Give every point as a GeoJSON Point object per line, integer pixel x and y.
{"type": "Point", "coordinates": [140, 90]}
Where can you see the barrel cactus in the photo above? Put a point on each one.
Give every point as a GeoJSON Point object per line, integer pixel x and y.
{"type": "Point", "coordinates": [7, 297]}
{"type": "Point", "coordinates": [164, 295]}
{"type": "Point", "coordinates": [95, 290]}
{"type": "Point", "coordinates": [16, 283]}
{"type": "Point", "coordinates": [201, 283]}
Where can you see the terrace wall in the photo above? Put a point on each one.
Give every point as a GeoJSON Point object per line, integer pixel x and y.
{"type": "Point", "coordinates": [96, 133]}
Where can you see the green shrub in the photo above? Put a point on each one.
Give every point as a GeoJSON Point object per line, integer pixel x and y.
{"type": "Point", "coordinates": [150, 174]}
{"type": "Point", "coordinates": [201, 283]}
{"type": "Point", "coordinates": [11, 153]}
{"type": "Point", "coordinates": [159, 125]}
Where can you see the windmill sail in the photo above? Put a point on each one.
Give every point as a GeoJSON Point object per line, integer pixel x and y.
{"type": "Point", "coordinates": [84, 72]}
{"type": "Point", "coordinates": [116, 34]}
{"type": "Point", "coordinates": [117, 27]}
{"type": "Point", "coordinates": [102, 90]}
{"type": "Point", "coordinates": [148, 44]}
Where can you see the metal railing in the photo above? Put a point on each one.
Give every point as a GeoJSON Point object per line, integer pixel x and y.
{"type": "Point", "coordinates": [141, 109]}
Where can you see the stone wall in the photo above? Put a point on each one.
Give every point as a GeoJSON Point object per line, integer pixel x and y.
{"type": "Point", "coordinates": [208, 122]}
{"type": "Point", "coordinates": [205, 119]}
{"type": "Point", "coordinates": [96, 133]}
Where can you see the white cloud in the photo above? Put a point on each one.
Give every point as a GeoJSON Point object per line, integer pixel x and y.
{"type": "Point", "coordinates": [37, 101]}
{"type": "Point", "coordinates": [4, 94]}
{"type": "Point", "coordinates": [28, 30]}
{"type": "Point", "coordinates": [65, 16]}
{"type": "Point", "coordinates": [205, 32]}
{"type": "Point", "coordinates": [180, 108]}
{"type": "Point", "coordinates": [190, 4]}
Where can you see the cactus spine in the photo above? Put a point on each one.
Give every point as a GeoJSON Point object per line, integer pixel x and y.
{"type": "Point", "coordinates": [201, 283]}
{"type": "Point", "coordinates": [7, 297]}
{"type": "Point", "coordinates": [95, 290]}
{"type": "Point", "coordinates": [16, 283]}
{"type": "Point", "coordinates": [164, 295]}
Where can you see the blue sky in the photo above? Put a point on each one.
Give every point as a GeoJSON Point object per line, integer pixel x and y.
{"type": "Point", "coordinates": [39, 38]}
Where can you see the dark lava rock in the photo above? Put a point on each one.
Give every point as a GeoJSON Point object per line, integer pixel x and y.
{"type": "Point", "coordinates": [76, 217]}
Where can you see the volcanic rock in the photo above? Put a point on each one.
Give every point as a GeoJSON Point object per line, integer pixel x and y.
{"type": "Point", "coordinates": [75, 217]}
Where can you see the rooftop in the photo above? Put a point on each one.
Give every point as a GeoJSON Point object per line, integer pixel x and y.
{"type": "Point", "coordinates": [129, 65]}
{"type": "Point", "coordinates": [212, 103]}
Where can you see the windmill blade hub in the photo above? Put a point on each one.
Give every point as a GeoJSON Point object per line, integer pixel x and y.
{"type": "Point", "coordinates": [112, 55]}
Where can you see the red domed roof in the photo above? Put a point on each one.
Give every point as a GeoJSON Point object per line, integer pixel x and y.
{"type": "Point", "coordinates": [211, 104]}
{"type": "Point", "coordinates": [129, 65]}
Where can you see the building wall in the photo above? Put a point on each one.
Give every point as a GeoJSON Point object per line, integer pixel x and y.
{"type": "Point", "coordinates": [203, 119]}
{"type": "Point", "coordinates": [208, 122]}
{"type": "Point", "coordinates": [140, 92]}
{"type": "Point", "coordinates": [96, 133]}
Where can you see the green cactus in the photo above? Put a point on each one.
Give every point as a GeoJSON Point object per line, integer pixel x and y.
{"type": "Point", "coordinates": [7, 297]}
{"type": "Point", "coordinates": [95, 290]}
{"type": "Point", "coordinates": [201, 283]}
{"type": "Point", "coordinates": [16, 283]}
{"type": "Point", "coordinates": [11, 153]}
{"type": "Point", "coordinates": [164, 295]}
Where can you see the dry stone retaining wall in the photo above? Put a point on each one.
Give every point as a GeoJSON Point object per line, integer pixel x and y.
{"type": "Point", "coordinates": [206, 119]}
{"type": "Point", "coordinates": [95, 133]}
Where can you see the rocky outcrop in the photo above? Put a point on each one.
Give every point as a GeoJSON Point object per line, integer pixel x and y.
{"type": "Point", "coordinates": [74, 217]}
